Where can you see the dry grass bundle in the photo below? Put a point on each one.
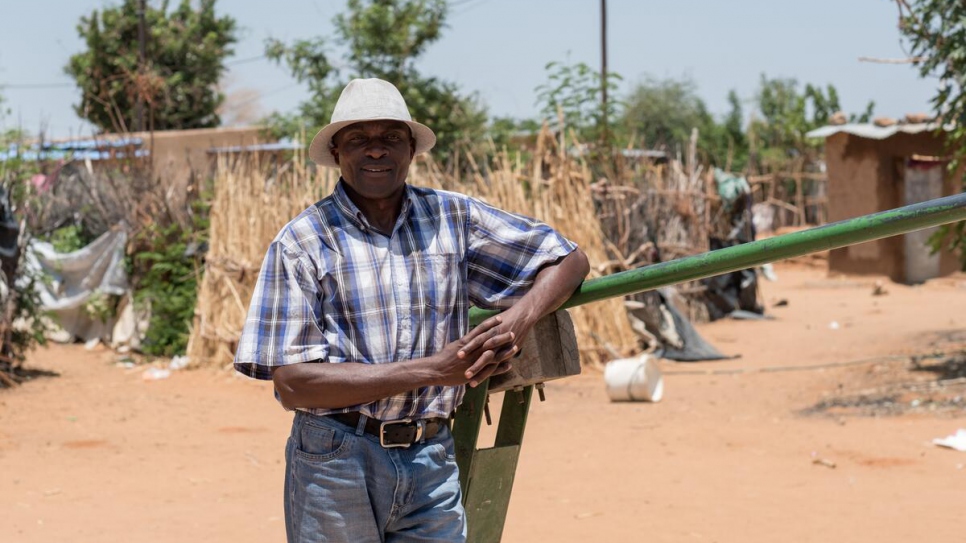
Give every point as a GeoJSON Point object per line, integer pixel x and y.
{"type": "Point", "coordinates": [555, 188]}
{"type": "Point", "coordinates": [251, 205]}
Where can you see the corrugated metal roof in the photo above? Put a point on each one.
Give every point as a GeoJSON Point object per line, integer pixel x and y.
{"type": "Point", "coordinates": [281, 145]}
{"type": "Point", "coordinates": [80, 149]}
{"type": "Point", "coordinates": [872, 131]}
{"type": "Point", "coordinates": [95, 143]}
{"type": "Point", "coordinates": [34, 155]}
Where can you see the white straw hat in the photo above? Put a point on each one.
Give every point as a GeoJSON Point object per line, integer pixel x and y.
{"type": "Point", "coordinates": [367, 100]}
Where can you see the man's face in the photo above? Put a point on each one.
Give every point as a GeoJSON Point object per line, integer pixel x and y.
{"type": "Point", "coordinates": [374, 157]}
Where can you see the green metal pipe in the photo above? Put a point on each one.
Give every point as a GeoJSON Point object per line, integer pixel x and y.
{"type": "Point", "coordinates": [830, 236]}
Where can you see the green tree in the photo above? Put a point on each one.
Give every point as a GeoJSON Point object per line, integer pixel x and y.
{"type": "Point", "coordinates": [936, 33]}
{"type": "Point", "coordinates": [575, 91]}
{"type": "Point", "coordinates": [785, 114]}
{"type": "Point", "coordinates": [4, 135]}
{"type": "Point", "coordinates": [660, 114]}
{"type": "Point", "coordinates": [507, 131]}
{"type": "Point", "coordinates": [383, 39]}
{"type": "Point", "coordinates": [177, 85]}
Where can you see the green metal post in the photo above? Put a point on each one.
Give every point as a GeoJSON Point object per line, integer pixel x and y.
{"type": "Point", "coordinates": [830, 236]}
{"type": "Point", "coordinates": [486, 475]}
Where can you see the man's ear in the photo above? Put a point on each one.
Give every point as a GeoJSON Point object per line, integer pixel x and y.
{"type": "Point", "coordinates": [335, 154]}
{"type": "Point", "coordinates": [412, 148]}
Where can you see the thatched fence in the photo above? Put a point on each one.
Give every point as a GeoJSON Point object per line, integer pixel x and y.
{"type": "Point", "coordinates": [253, 201]}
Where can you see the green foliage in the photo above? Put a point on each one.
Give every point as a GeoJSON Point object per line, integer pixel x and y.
{"type": "Point", "coordinates": [576, 91]}
{"type": "Point", "coordinates": [936, 33]}
{"type": "Point", "coordinates": [69, 238]}
{"type": "Point", "coordinates": [169, 267]}
{"type": "Point", "coordinates": [28, 310]}
{"type": "Point", "coordinates": [785, 115]}
{"type": "Point", "coordinates": [383, 39]}
{"type": "Point", "coordinates": [508, 132]}
{"type": "Point", "coordinates": [101, 306]}
{"type": "Point", "coordinates": [22, 304]}
{"type": "Point", "coordinates": [8, 135]}
{"type": "Point", "coordinates": [731, 134]}
{"type": "Point", "coordinates": [660, 114]}
{"type": "Point", "coordinates": [185, 55]}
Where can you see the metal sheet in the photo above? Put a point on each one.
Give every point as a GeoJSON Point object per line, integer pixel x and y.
{"type": "Point", "coordinates": [871, 131]}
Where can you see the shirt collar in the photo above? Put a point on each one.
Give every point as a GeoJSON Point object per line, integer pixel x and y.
{"type": "Point", "coordinates": [354, 214]}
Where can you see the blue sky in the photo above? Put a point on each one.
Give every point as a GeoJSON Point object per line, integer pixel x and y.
{"type": "Point", "coordinates": [498, 49]}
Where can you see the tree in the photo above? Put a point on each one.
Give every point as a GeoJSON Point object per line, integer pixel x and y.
{"type": "Point", "coordinates": [177, 84]}
{"type": "Point", "coordinates": [661, 114]}
{"type": "Point", "coordinates": [785, 114]}
{"type": "Point", "coordinates": [383, 39]}
{"type": "Point", "coordinates": [575, 91]}
{"type": "Point", "coordinates": [8, 136]}
{"type": "Point", "coordinates": [936, 33]}
{"type": "Point", "coordinates": [507, 131]}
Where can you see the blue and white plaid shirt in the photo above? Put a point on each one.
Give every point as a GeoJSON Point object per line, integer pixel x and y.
{"type": "Point", "coordinates": [332, 289]}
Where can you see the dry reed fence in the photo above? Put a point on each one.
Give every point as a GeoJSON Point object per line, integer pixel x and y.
{"type": "Point", "coordinates": [556, 189]}
{"type": "Point", "coordinates": [250, 207]}
{"type": "Point", "coordinates": [251, 204]}
{"type": "Point", "coordinates": [655, 213]}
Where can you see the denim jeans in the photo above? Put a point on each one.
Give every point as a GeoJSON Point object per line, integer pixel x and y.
{"type": "Point", "coordinates": [342, 486]}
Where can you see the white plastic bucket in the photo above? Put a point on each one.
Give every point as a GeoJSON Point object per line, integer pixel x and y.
{"type": "Point", "coordinates": [634, 379]}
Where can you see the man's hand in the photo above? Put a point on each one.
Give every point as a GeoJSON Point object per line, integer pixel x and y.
{"type": "Point", "coordinates": [482, 352]}
{"type": "Point", "coordinates": [333, 386]}
{"type": "Point", "coordinates": [551, 288]}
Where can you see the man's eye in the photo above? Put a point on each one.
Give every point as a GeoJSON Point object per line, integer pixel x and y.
{"type": "Point", "coordinates": [392, 137]}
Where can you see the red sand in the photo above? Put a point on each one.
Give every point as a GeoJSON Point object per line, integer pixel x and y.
{"type": "Point", "coordinates": [100, 455]}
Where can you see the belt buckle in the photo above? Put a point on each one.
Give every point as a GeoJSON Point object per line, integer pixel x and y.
{"type": "Point", "coordinates": [420, 426]}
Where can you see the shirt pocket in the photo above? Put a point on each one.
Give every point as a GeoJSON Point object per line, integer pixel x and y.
{"type": "Point", "coordinates": [438, 281]}
{"type": "Point", "coordinates": [438, 298]}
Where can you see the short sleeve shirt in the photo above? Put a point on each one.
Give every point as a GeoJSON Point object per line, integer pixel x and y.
{"type": "Point", "coordinates": [332, 289]}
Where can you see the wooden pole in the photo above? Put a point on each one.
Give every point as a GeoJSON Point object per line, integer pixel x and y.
{"type": "Point", "coordinates": [142, 54]}
{"type": "Point", "coordinates": [603, 71]}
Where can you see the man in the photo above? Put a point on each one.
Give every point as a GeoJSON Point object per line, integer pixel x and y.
{"type": "Point", "coordinates": [360, 317]}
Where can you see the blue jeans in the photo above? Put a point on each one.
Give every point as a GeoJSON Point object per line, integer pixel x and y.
{"type": "Point", "coordinates": [342, 486]}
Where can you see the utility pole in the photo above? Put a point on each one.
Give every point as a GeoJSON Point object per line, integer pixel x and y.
{"type": "Point", "coordinates": [142, 56]}
{"type": "Point", "coordinates": [603, 70]}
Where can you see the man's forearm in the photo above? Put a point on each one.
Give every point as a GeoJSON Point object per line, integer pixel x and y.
{"type": "Point", "coordinates": [554, 285]}
{"type": "Point", "coordinates": [325, 385]}
{"type": "Point", "coordinates": [332, 386]}
{"type": "Point", "coordinates": [551, 288]}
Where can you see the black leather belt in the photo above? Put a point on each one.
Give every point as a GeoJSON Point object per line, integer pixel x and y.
{"type": "Point", "coordinates": [395, 433]}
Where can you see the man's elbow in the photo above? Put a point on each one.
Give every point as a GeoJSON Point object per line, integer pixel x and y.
{"type": "Point", "coordinates": [582, 263]}
{"type": "Point", "coordinates": [286, 385]}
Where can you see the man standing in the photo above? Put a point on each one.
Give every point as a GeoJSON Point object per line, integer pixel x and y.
{"type": "Point", "coordinates": [360, 317]}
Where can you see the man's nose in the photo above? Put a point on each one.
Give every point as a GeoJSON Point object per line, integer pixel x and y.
{"type": "Point", "coordinates": [376, 149]}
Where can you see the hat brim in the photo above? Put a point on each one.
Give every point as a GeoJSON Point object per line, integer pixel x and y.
{"type": "Point", "coordinates": [320, 149]}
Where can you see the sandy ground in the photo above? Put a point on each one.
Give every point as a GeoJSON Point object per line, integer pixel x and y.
{"type": "Point", "coordinates": [834, 447]}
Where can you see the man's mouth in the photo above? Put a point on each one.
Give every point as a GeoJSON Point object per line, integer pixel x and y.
{"type": "Point", "coordinates": [376, 169]}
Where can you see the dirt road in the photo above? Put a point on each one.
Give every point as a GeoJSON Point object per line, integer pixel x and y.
{"type": "Point", "coordinates": [818, 432]}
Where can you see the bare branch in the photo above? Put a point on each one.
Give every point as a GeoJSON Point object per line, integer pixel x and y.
{"type": "Point", "coordinates": [910, 60]}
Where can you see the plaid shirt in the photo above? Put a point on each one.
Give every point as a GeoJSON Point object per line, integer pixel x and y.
{"type": "Point", "coordinates": [332, 289]}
